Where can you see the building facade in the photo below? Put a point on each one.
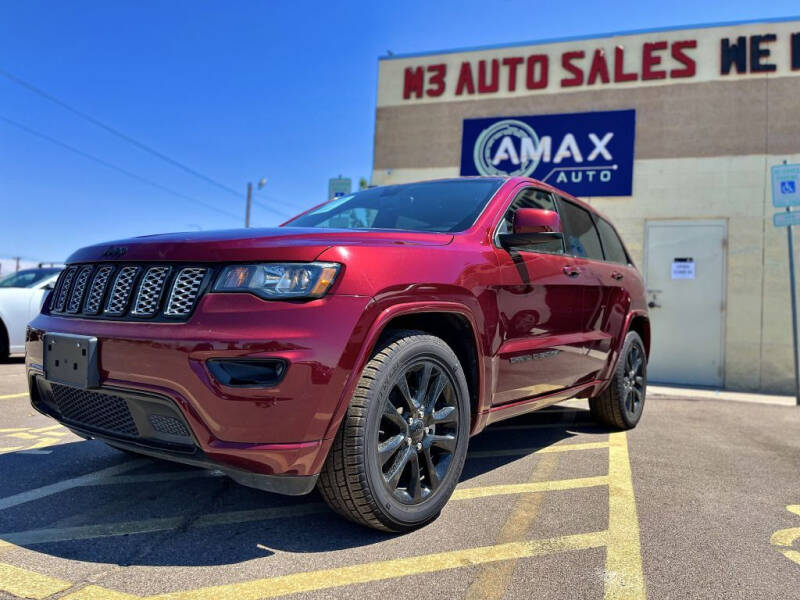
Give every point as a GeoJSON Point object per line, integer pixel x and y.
{"type": "Point", "coordinates": [670, 133]}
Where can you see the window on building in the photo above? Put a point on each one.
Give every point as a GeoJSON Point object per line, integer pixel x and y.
{"type": "Point", "coordinates": [580, 234]}
{"type": "Point", "coordinates": [612, 245]}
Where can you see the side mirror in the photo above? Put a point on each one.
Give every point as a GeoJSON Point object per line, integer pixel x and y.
{"type": "Point", "coordinates": [534, 226]}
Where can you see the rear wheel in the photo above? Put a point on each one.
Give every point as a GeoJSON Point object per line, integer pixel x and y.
{"type": "Point", "coordinates": [401, 447]}
{"type": "Point", "coordinates": [621, 404]}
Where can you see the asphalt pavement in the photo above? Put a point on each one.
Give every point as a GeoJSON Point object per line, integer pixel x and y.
{"type": "Point", "coordinates": [701, 500]}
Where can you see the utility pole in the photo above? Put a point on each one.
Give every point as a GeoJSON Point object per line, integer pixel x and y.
{"type": "Point", "coordinates": [249, 203]}
{"type": "Point", "coordinates": [261, 183]}
{"type": "Point", "coordinates": [16, 258]}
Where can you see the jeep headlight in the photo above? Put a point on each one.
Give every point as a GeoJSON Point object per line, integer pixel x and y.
{"type": "Point", "coordinates": [276, 281]}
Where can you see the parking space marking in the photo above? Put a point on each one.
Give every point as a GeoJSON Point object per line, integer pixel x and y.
{"type": "Point", "coordinates": [36, 438]}
{"type": "Point", "coordinates": [310, 581]}
{"type": "Point", "coordinates": [494, 578]}
{"type": "Point", "coordinates": [624, 577]}
{"type": "Point", "coordinates": [85, 532]}
{"type": "Point", "coordinates": [784, 538]}
{"type": "Point", "coordinates": [10, 396]}
{"type": "Point", "coordinates": [538, 449]}
{"type": "Point", "coordinates": [526, 488]}
{"type": "Point", "coordinates": [27, 584]}
{"type": "Point", "coordinates": [60, 486]}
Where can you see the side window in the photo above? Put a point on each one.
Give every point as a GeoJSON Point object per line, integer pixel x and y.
{"type": "Point", "coordinates": [580, 235]}
{"type": "Point", "coordinates": [530, 198]}
{"type": "Point", "coordinates": [614, 250]}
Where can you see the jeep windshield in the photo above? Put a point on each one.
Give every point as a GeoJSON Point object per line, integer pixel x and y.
{"type": "Point", "coordinates": [446, 206]}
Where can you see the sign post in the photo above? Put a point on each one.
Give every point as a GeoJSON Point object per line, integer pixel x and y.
{"type": "Point", "coordinates": [786, 193]}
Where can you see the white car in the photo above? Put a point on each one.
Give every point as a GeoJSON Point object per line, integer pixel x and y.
{"type": "Point", "coordinates": [21, 297]}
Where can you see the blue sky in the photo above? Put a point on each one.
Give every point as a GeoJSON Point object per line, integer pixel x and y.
{"type": "Point", "coordinates": [236, 90]}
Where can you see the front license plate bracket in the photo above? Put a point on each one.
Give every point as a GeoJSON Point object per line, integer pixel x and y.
{"type": "Point", "coordinates": [71, 360]}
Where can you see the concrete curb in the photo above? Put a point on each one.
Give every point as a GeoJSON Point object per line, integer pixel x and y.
{"type": "Point", "coordinates": [706, 394]}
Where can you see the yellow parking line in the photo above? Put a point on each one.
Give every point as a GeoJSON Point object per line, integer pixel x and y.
{"type": "Point", "coordinates": [310, 581]}
{"type": "Point", "coordinates": [49, 428]}
{"type": "Point", "coordinates": [538, 449]}
{"type": "Point", "coordinates": [786, 537]}
{"type": "Point", "coordinates": [85, 532]}
{"type": "Point", "coordinates": [28, 584]}
{"type": "Point", "coordinates": [624, 578]}
{"type": "Point", "coordinates": [9, 396]}
{"type": "Point", "coordinates": [493, 579]}
{"type": "Point", "coordinates": [526, 488]}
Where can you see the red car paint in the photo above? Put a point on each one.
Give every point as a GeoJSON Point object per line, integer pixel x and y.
{"type": "Point", "coordinates": [517, 306]}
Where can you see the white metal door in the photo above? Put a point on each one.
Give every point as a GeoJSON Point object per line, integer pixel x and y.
{"type": "Point", "coordinates": [685, 273]}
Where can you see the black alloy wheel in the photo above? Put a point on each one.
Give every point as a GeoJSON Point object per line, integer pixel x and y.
{"type": "Point", "coordinates": [620, 405]}
{"type": "Point", "coordinates": [400, 449]}
{"type": "Point", "coordinates": [418, 432]}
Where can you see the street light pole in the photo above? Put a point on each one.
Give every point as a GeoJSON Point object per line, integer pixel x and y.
{"type": "Point", "coordinates": [261, 183]}
{"type": "Point", "coordinates": [249, 203]}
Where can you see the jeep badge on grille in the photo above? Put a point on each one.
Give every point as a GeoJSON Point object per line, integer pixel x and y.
{"type": "Point", "coordinates": [115, 251]}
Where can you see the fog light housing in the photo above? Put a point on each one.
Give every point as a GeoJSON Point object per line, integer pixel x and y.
{"type": "Point", "coordinates": [248, 372]}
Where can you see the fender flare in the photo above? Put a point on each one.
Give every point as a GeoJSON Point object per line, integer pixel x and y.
{"type": "Point", "coordinates": [373, 334]}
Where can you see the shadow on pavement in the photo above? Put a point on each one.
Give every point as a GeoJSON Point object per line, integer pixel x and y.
{"type": "Point", "coordinates": [165, 509]}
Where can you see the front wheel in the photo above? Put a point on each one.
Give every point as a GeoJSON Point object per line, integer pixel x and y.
{"type": "Point", "coordinates": [401, 447]}
{"type": "Point", "coordinates": [621, 404]}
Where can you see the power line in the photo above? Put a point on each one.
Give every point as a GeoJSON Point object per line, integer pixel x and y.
{"type": "Point", "coordinates": [116, 167]}
{"type": "Point", "coordinates": [118, 133]}
{"type": "Point", "coordinates": [129, 139]}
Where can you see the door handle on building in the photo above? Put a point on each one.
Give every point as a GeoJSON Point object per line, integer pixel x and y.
{"type": "Point", "coordinates": [616, 275]}
{"type": "Point", "coordinates": [571, 271]}
{"type": "Point", "coordinates": [652, 304]}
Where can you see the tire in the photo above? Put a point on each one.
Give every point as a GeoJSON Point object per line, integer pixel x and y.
{"type": "Point", "coordinates": [621, 404]}
{"type": "Point", "coordinates": [5, 343]}
{"type": "Point", "coordinates": [383, 471]}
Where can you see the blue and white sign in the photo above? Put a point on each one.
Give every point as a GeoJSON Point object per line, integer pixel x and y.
{"type": "Point", "coordinates": [785, 219]}
{"type": "Point", "coordinates": [585, 154]}
{"type": "Point", "coordinates": [786, 185]}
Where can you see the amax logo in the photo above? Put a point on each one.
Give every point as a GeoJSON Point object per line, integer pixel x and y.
{"type": "Point", "coordinates": [585, 154]}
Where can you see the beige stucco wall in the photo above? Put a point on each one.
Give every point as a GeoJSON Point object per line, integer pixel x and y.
{"type": "Point", "coordinates": [703, 151]}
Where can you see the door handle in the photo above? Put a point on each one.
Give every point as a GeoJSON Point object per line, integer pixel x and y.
{"type": "Point", "coordinates": [616, 275]}
{"type": "Point", "coordinates": [652, 304]}
{"type": "Point", "coordinates": [571, 271]}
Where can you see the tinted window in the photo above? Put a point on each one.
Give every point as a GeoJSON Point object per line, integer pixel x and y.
{"type": "Point", "coordinates": [443, 206]}
{"type": "Point", "coordinates": [26, 278]}
{"type": "Point", "coordinates": [531, 198]}
{"type": "Point", "coordinates": [612, 246]}
{"type": "Point", "coordinates": [580, 234]}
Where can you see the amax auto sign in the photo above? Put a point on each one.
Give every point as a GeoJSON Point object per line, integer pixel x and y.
{"type": "Point", "coordinates": [585, 154]}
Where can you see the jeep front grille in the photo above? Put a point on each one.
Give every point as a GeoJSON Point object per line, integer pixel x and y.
{"type": "Point", "coordinates": [121, 292]}
{"type": "Point", "coordinates": [98, 290]}
{"type": "Point", "coordinates": [184, 291]}
{"type": "Point", "coordinates": [150, 290]}
{"type": "Point", "coordinates": [130, 291]}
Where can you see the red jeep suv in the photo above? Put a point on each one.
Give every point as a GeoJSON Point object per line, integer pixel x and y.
{"type": "Point", "coordinates": [356, 348]}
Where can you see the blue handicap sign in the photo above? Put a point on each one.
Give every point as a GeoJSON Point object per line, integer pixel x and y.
{"type": "Point", "coordinates": [785, 185]}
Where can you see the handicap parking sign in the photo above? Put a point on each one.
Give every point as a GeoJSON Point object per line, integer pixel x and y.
{"type": "Point", "coordinates": [785, 185]}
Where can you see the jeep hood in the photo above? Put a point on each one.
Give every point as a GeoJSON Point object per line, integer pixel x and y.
{"type": "Point", "coordinates": [281, 243]}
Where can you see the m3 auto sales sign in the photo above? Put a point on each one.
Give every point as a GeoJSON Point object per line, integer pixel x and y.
{"type": "Point", "coordinates": [585, 154]}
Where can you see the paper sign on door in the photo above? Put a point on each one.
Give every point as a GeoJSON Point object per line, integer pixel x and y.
{"type": "Point", "coordinates": [683, 268]}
